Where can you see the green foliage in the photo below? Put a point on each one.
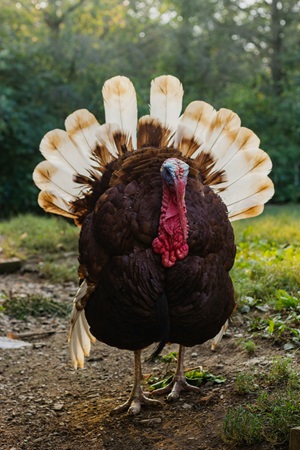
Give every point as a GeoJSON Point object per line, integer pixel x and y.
{"type": "Point", "coordinates": [170, 357]}
{"type": "Point", "coordinates": [36, 306]}
{"type": "Point", "coordinates": [249, 345]}
{"type": "Point", "coordinates": [194, 377]}
{"type": "Point", "coordinates": [269, 415]}
{"type": "Point", "coordinates": [51, 239]}
{"type": "Point", "coordinates": [245, 383]}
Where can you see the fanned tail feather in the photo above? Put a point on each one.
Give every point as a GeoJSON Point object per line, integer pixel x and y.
{"type": "Point", "coordinates": [193, 126]}
{"type": "Point", "coordinates": [239, 168]}
{"type": "Point", "coordinates": [166, 100]}
{"type": "Point", "coordinates": [151, 133]}
{"type": "Point", "coordinates": [58, 149]}
{"type": "Point", "coordinates": [106, 138]}
{"type": "Point", "coordinates": [251, 191]}
{"type": "Point", "coordinates": [48, 177]}
{"type": "Point", "coordinates": [55, 204]}
{"type": "Point", "coordinates": [82, 127]}
{"type": "Point", "coordinates": [120, 106]}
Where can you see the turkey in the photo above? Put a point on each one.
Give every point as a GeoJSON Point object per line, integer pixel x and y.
{"type": "Point", "coordinates": [154, 199]}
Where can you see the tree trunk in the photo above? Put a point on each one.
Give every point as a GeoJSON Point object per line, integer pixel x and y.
{"type": "Point", "coordinates": [276, 49]}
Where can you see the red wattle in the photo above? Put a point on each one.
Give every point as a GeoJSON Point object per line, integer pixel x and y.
{"type": "Point", "coordinates": [173, 228]}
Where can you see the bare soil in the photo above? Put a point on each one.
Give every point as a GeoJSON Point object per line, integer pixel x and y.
{"type": "Point", "coordinates": [46, 404]}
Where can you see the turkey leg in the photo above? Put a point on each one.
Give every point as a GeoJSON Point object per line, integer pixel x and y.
{"type": "Point", "coordinates": [137, 397]}
{"type": "Point", "coordinates": [179, 382]}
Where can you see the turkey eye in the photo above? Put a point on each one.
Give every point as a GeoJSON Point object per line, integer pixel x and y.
{"type": "Point", "coordinates": [168, 176]}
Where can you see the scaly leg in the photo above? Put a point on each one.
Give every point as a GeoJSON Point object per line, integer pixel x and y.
{"type": "Point", "coordinates": [137, 397]}
{"type": "Point", "coordinates": [179, 382]}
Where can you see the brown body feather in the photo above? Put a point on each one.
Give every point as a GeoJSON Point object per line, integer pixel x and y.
{"type": "Point", "coordinates": [115, 249]}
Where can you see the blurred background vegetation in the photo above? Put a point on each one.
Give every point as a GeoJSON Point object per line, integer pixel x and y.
{"type": "Point", "coordinates": [56, 54]}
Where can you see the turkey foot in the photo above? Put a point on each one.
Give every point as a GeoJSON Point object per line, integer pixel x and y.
{"type": "Point", "coordinates": [137, 397]}
{"type": "Point", "coordinates": [178, 383]}
{"type": "Point", "coordinates": [134, 403]}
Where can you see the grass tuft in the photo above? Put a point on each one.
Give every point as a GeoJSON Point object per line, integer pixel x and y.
{"type": "Point", "coordinates": [245, 383]}
{"type": "Point", "coordinates": [57, 272]}
{"type": "Point", "coordinates": [271, 413]}
{"type": "Point", "coordinates": [35, 305]}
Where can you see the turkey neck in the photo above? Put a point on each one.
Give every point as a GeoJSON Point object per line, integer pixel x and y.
{"type": "Point", "coordinates": [173, 225]}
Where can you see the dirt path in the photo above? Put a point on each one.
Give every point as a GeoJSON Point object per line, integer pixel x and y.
{"type": "Point", "coordinates": [45, 404]}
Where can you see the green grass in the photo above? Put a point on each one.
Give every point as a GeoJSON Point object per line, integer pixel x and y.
{"type": "Point", "coordinates": [59, 272]}
{"type": "Point", "coordinates": [36, 306]}
{"type": "Point", "coordinates": [268, 256]}
{"type": "Point", "coordinates": [249, 346]}
{"type": "Point", "coordinates": [266, 271]}
{"type": "Point", "coordinates": [270, 412]}
{"type": "Point", "coordinates": [49, 238]}
{"type": "Point", "coordinates": [28, 235]}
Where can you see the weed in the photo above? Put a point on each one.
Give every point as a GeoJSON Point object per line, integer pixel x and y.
{"type": "Point", "coordinates": [170, 357]}
{"type": "Point", "coordinates": [35, 305]}
{"type": "Point", "coordinates": [280, 371]}
{"type": "Point", "coordinates": [249, 346]}
{"type": "Point", "coordinates": [58, 272]}
{"type": "Point", "coordinates": [273, 411]}
{"type": "Point", "coordinates": [242, 426]}
{"type": "Point", "coordinates": [285, 301]}
{"type": "Point", "coordinates": [245, 383]}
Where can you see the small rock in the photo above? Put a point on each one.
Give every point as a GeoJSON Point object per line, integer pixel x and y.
{"type": "Point", "coordinates": [7, 343]}
{"type": "Point", "coordinates": [288, 346]}
{"type": "Point", "coordinates": [262, 361]}
{"type": "Point", "coordinates": [58, 406]}
{"type": "Point", "coordinates": [150, 422]}
{"type": "Point", "coordinates": [186, 406]}
{"type": "Point", "coordinates": [245, 309]}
